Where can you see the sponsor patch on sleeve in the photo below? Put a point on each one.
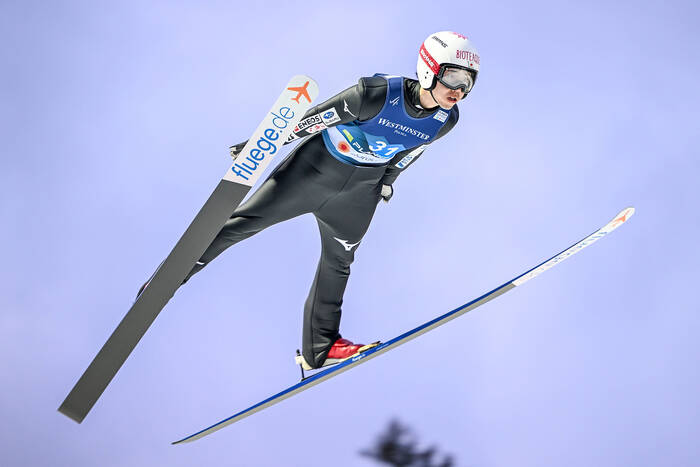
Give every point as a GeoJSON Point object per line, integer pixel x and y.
{"type": "Point", "coordinates": [315, 128]}
{"type": "Point", "coordinates": [410, 156]}
{"type": "Point", "coordinates": [330, 116]}
{"type": "Point", "coordinates": [307, 122]}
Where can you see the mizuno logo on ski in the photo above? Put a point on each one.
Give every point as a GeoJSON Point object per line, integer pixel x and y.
{"type": "Point", "coordinates": [346, 245]}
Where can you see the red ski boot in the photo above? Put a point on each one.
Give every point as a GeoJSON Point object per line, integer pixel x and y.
{"type": "Point", "coordinates": [341, 350]}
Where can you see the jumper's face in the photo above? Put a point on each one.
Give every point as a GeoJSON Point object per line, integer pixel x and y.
{"type": "Point", "coordinates": [446, 97]}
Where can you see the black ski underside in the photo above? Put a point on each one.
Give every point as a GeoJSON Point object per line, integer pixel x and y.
{"type": "Point", "coordinates": [188, 250]}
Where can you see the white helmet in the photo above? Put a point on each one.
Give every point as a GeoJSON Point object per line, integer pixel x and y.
{"type": "Point", "coordinates": [446, 49]}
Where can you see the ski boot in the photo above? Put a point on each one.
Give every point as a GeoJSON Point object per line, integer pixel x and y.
{"type": "Point", "coordinates": [341, 350]}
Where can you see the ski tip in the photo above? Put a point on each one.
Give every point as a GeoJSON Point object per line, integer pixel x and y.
{"type": "Point", "coordinates": [623, 216]}
{"type": "Point", "coordinates": [618, 220]}
{"type": "Point", "coordinates": [301, 79]}
{"type": "Point", "coordinates": [627, 213]}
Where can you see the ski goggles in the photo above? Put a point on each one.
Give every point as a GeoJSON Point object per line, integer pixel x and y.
{"type": "Point", "coordinates": [456, 78]}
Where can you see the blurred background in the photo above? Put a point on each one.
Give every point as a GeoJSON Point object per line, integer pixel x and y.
{"type": "Point", "coordinates": [115, 122]}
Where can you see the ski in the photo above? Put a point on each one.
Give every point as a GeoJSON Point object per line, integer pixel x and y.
{"type": "Point", "coordinates": [247, 168]}
{"type": "Point", "coordinates": [412, 334]}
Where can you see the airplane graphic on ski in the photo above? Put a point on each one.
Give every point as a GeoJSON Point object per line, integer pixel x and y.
{"type": "Point", "coordinates": [301, 91]}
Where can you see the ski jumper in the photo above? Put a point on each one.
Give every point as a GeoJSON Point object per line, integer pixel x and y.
{"type": "Point", "coordinates": [360, 140]}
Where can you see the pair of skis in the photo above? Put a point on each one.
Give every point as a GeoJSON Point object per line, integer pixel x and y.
{"type": "Point", "coordinates": [237, 182]}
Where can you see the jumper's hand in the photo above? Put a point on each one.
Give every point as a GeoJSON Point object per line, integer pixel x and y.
{"type": "Point", "coordinates": [387, 193]}
{"type": "Point", "coordinates": [236, 149]}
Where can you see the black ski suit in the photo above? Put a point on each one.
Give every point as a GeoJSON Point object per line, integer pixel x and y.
{"type": "Point", "coordinates": [342, 197]}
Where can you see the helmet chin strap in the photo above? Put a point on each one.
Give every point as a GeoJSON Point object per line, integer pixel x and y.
{"type": "Point", "coordinates": [430, 91]}
{"type": "Point", "coordinates": [431, 95]}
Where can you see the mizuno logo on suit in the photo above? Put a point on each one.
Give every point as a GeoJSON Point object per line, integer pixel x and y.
{"type": "Point", "coordinates": [346, 245]}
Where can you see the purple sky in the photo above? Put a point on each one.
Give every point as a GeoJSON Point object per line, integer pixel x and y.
{"type": "Point", "coordinates": [116, 122]}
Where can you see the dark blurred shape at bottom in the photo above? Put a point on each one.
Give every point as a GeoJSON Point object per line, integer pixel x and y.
{"type": "Point", "coordinates": [397, 446]}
